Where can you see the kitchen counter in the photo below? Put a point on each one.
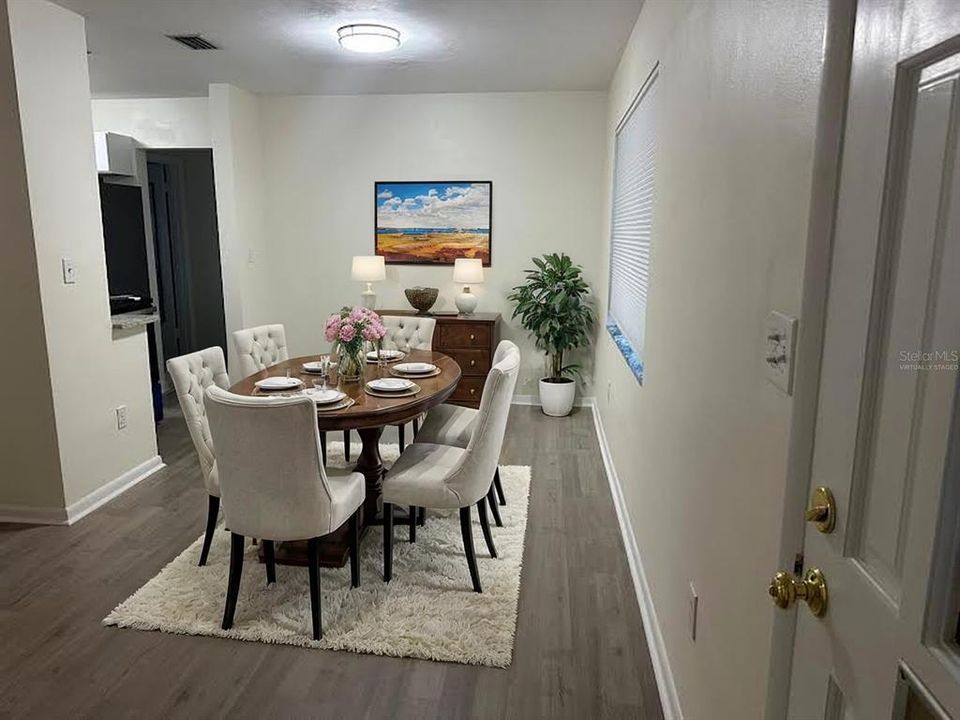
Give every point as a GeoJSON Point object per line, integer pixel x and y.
{"type": "Point", "coordinates": [134, 319]}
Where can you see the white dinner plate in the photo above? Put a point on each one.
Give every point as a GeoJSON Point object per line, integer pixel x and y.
{"type": "Point", "coordinates": [278, 383]}
{"type": "Point", "coordinates": [326, 397]}
{"type": "Point", "coordinates": [385, 354]}
{"type": "Point", "coordinates": [390, 384]}
{"type": "Point", "coordinates": [415, 368]}
{"type": "Point", "coordinates": [313, 367]}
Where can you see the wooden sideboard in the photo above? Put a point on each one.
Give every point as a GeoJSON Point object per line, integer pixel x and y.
{"type": "Point", "coordinates": [471, 341]}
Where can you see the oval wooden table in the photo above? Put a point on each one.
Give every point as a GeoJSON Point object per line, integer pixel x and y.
{"type": "Point", "coordinates": [368, 416]}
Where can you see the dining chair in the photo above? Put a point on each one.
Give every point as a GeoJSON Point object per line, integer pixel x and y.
{"type": "Point", "coordinates": [264, 346]}
{"type": "Point", "coordinates": [275, 486]}
{"type": "Point", "coordinates": [406, 333]}
{"type": "Point", "coordinates": [432, 475]}
{"type": "Point", "coordinates": [453, 425]}
{"type": "Point", "coordinates": [192, 374]}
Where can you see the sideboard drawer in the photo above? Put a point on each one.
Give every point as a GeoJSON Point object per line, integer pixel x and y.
{"type": "Point", "coordinates": [471, 362]}
{"type": "Point", "coordinates": [469, 390]}
{"type": "Point", "coordinates": [463, 335]}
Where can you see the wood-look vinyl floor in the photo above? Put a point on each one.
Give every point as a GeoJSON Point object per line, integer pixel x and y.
{"type": "Point", "coordinates": [580, 650]}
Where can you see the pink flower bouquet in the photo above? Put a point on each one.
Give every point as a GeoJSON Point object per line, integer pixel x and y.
{"type": "Point", "coordinates": [348, 330]}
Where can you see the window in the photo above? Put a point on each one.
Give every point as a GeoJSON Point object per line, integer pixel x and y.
{"type": "Point", "coordinates": [634, 182]}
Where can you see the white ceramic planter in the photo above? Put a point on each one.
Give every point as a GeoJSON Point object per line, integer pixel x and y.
{"type": "Point", "coordinates": [556, 398]}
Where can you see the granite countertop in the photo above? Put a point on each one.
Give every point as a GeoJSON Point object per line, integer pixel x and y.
{"type": "Point", "coordinates": [134, 319]}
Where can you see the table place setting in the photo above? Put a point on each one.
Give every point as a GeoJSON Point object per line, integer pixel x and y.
{"type": "Point", "coordinates": [391, 387]}
{"type": "Point", "coordinates": [278, 384]}
{"type": "Point", "coordinates": [415, 370]}
{"type": "Point", "coordinates": [386, 356]}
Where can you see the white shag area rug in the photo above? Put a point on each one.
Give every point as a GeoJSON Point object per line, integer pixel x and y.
{"type": "Point", "coordinates": [428, 610]}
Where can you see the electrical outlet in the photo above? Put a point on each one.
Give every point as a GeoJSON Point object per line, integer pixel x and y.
{"type": "Point", "coordinates": [694, 603]}
{"type": "Point", "coordinates": [122, 417]}
{"type": "Point", "coordinates": [780, 337]}
{"type": "Point", "coordinates": [69, 271]}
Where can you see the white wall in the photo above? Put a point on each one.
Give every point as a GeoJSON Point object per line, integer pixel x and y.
{"type": "Point", "coordinates": [322, 155]}
{"type": "Point", "coordinates": [31, 458]}
{"type": "Point", "coordinates": [156, 122]}
{"type": "Point", "coordinates": [701, 447]}
{"type": "Point", "coordinates": [92, 372]}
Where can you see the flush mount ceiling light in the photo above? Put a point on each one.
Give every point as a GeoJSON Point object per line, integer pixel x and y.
{"type": "Point", "coordinates": [368, 38]}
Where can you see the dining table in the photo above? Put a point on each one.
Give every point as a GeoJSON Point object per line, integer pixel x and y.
{"type": "Point", "coordinates": [368, 415]}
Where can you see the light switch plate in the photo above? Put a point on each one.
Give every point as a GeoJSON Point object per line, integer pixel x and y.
{"type": "Point", "coordinates": [780, 338]}
{"type": "Point", "coordinates": [69, 271]}
{"type": "Point", "coordinates": [122, 417]}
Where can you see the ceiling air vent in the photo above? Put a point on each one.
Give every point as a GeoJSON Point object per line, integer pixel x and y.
{"type": "Point", "coordinates": [194, 42]}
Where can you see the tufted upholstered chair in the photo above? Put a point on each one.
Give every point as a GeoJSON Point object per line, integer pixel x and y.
{"type": "Point", "coordinates": [453, 425]}
{"type": "Point", "coordinates": [406, 333]}
{"type": "Point", "coordinates": [260, 347]}
{"type": "Point", "coordinates": [275, 487]}
{"type": "Point", "coordinates": [192, 374]}
{"type": "Point", "coordinates": [447, 477]}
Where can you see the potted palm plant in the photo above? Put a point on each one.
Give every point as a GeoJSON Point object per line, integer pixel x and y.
{"type": "Point", "coordinates": [554, 306]}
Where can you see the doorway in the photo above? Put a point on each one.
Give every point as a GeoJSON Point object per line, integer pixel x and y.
{"type": "Point", "coordinates": [183, 208]}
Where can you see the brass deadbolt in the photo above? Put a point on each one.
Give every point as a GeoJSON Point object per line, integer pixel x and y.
{"type": "Point", "coordinates": [785, 589]}
{"type": "Point", "coordinates": [823, 510]}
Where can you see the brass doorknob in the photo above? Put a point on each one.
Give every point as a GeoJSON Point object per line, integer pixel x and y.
{"type": "Point", "coordinates": [823, 510]}
{"type": "Point", "coordinates": [786, 588]}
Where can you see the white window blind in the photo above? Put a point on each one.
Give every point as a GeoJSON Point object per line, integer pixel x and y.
{"type": "Point", "coordinates": [634, 184]}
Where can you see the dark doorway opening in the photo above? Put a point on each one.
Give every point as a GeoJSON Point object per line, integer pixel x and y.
{"type": "Point", "coordinates": [183, 207]}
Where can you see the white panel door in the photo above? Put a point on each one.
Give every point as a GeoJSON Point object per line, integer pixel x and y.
{"type": "Point", "coordinates": [887, 425]}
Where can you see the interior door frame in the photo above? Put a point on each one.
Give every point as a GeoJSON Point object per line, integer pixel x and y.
{"type": "Point", "coordinates": [825, 186]}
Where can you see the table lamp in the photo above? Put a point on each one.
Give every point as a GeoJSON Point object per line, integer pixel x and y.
{"type": "Point", "coordinates": [468, 271]}
{"type": "Point", "coordinates": [368, 269]}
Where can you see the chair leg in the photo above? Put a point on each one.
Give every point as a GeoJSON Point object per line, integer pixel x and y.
{"type": "Point", "coordinates": [387, 542]}
{"type": "Point", "coordinates": [421, 516]}
{"type": "Point", "coordinates": [466, 530]}
{"type": "Point", "coordinates": [269, 561]}
{"type": "Point", "coordinates": [313, 560]}
{"type": "Point", "coordinates": [413, 523]}
{"type": "Point", "coordinates": [354, 531]}
{"type": "Point", "coordinates": [213, 509]}
{"type": "Point", "coordinates": [494, 507]}
{"type": "Point", "coordinates": [416, 426]}
{"type": "Point", "coordinates": [485, 526]}
{"type": "Point", "coordinates": [233, 583]}
{"type": "Point", "coordinates": [499, 486]}
{"type": "Point", "coordinates": [323, 447]}
{"type": "Point", "coordinates": [402, 432]}
{"type": "Point", "coordinates": [346, 445]}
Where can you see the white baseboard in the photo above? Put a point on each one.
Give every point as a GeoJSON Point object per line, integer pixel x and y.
{"type": "Point", "coordinates": [105, 493]}
{"type": "Point", "coordinates": [658, 650]}
{"type": "Point", "coordinates": [23, 515]}
{"type": "Point", "coordinates": [535, 400]}
{"type": "Point", "coordinates": [85, 505]}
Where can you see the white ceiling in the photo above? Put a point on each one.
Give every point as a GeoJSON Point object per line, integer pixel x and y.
{"type": "Point", "coordinates": [290, 46]}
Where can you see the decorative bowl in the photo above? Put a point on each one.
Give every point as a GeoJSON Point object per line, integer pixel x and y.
{"type": "Point", "coordinates": [422, 298]}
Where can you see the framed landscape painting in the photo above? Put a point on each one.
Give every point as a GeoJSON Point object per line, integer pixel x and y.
{"type": "Point", "coordinates": [433, 223]}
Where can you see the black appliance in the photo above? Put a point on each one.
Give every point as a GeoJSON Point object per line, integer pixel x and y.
{"type": "Point", "coordinates": [125, 245]}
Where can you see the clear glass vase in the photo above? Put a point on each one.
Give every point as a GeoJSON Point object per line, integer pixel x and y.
{"type": "Point", "coordinates": [351, 364]}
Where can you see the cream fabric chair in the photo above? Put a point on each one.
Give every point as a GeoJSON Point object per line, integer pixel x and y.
{"type": "Point", "coordinates": [275, 487]}
{"type": "Point", "coordinates": [264, 346]}
{"type": "Point", "coordinates": [406, 333]}
{"type": "Point", "coordinates": [453, 425]}
{"type": "Point", "coordinates": [447, 477]}
{"type": "Point", "coordinates": [192, 374]}
{"type": "Point", "coordinates": [260, 347]}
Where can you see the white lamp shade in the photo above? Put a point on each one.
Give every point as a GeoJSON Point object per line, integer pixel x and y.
{"type": "Point", "coordinates": [468, 271]}
{"type": "Point", "coordinates": [368, 268]}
